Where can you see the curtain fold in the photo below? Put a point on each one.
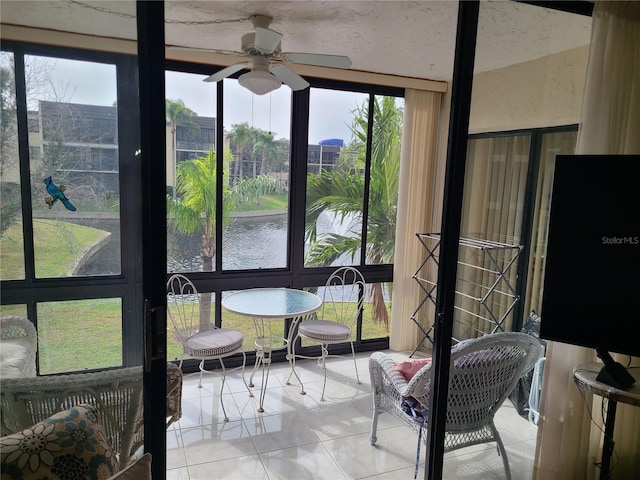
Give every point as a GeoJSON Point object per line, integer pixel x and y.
{"type": "Point", "coordinates": [415, 210]}
{"type": "Point", "coordinates": [569, 442]}
{"type": "Point", "coordinates": [493, 204]}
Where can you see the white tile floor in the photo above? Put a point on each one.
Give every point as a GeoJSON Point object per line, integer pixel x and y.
{"type": "Point", "coordinates": [300, 437]}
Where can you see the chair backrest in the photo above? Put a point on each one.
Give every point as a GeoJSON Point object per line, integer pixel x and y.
{"type": "Point", "coordinates": [22, 331]}
{"type": "Point", "coordinates": [117, 394]}
{"type": "Point", "coordinates": [343, 296]}
{"type": "Point", "coordinates": [483, 373]}
{"type": "Point", "coordinates": [183, 307]}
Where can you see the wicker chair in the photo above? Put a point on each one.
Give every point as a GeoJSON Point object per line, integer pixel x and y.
{"type": "Point", "coordinates": [484, 371]}
{"type": "Point", "coordinates": [117, 394]}
{"type": "Point", "coordinates": [18, 347]}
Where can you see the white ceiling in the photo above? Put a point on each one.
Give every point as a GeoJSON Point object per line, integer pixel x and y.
{"type": "Point", "coordinates": [412, 39]}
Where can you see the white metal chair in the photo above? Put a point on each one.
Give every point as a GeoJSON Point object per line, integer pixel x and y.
{"type": "Point", "coordinates": [535, 392]}
{"type": "Point", "coordinates": [183, 306]}
{"type": "Point", "coordinates": [18, 347]}
{"type": "Point", "coordinates": [343, 297]}
{"type": "Point", "coordinates": [483, 373]}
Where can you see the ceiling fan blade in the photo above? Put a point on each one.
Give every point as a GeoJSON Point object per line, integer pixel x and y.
{"type": "Point", "coordinates": [319, 59]}
{"type": "Point", "coordinates": [225, 72]}
{"type": "Point", "coordinates": [289, 77]}
{"type": "Point", "coordinates": [208, 50]}
{"type": "Point", "coordinates": [266, 40]}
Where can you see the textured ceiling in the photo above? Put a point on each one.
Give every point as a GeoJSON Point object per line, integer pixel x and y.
{"type": "Point", "coordinates": [412, 39]}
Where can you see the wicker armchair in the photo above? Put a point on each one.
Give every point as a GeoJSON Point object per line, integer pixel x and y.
{"type": "Point", "coordinates": [18, 347]}
{"type": "Point", "coordinates": [484, 371]}
{"type": "Point", "coordinates": [117, 394]}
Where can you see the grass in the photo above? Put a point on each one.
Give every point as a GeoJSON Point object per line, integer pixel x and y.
{"type": "Point", "coordinates": [267, 202]}
{"type": "Point", "coordinates": [57, 247]}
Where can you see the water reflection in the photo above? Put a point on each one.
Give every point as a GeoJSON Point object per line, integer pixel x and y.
{"type": "Point", "coordinates": [247, 243]}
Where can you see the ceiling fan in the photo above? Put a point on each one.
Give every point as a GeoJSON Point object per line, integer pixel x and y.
{"type": "Point", "coordinates": [267, 60]}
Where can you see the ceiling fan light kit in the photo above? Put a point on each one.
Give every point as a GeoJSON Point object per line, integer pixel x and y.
{"type": "Point", "coordinates": [260, 81]}
{"type": "Point", "coordinates": [267, 61]}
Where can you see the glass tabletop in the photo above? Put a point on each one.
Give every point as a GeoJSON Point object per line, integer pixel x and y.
{"type": "Point", "coordinates": [272, 302]}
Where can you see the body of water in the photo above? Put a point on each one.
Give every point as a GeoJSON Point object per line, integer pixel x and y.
{"type": "Point", "coordinates": [248, 243]}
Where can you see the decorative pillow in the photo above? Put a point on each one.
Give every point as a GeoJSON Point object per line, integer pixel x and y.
{"type": "Point", "coordinates": [139, 470]}
{"type": "Point", "coordinates": [409, 368]}
{"type": "Point", "coordinates": [70, 445]}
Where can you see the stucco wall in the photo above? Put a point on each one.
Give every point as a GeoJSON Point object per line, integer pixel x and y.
{"type": "Point", "coordinates": [541, 93]}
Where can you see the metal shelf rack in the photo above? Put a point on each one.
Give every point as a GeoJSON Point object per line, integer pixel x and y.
{"type": "Point", "coordinates": [484, 290]}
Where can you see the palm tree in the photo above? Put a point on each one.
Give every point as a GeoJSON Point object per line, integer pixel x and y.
{"type": "Point", "coordinates": [177, 113]}
{"type": "Point", "coordinates": [264, 146]}
{"type": "Point", "coordinates": [193, 210]}
{"type": "Point", "coordinates": [341, 192]}
{"type": "Point", "coordinates": [240, 137]}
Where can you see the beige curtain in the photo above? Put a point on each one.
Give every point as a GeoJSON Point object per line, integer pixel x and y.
{"type": "Point", "coordinates": [569, 436]}
{"type": "Point", "coordinates": [415, 210]}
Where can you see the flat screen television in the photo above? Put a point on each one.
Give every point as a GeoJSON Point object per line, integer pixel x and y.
{"type": "Point", "coordinates": [591, 293]}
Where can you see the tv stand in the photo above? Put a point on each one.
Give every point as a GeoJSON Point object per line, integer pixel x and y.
{"type": "Point", "coordinates": [613, 373]}
{"type": "Point", "coordinates": [585, 377]}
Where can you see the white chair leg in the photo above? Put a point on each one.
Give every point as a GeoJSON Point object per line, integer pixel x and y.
{"type": "Point", "coordinates": [201, 370]}
{"type": "Point", "coordinates": [325, 352]}
{"type": "Point", "coordinates": [503, 453]}
{"type": "Point", "coordinates": [224, 378]}
{"type": "Point", "coordinates": [353, 352]}
{"type": "Point", "coordinates": [374, 419]}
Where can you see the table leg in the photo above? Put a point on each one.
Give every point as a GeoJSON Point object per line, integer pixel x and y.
{"type": "Point", "coordinates": [266, 364]}
{"type": "Point", "coordinates": [291, 355]}
{"type": "Point", "coordinates": [256, 365]}
{"type": "Point", "coordinates": [607, 446]}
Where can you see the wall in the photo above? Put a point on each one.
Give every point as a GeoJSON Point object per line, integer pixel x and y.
{"type": "Point", "coordinates": [541, 93]}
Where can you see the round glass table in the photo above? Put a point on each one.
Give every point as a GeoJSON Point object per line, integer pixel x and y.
{"type": "Point", "coordinates": [265, 305]}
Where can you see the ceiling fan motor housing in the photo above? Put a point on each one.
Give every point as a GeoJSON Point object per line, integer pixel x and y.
{"type": "Point", "coordinates": [247, 43]}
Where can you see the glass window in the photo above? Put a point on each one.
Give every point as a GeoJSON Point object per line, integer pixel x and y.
{"type": "Point", "coordinates": [386, 140]}
{"type": "Point", "coordinates": [11, 236]}
{"type": "Point", "coordinates": [191, 173]}
{"type": "Point", "coordinates": [335, 188]}
{"type": "Point", "coordinates": [553, 143]}
{"type": "Point", "coordinates": [79, 334]}
{"type": "Point", "coordinates": [257, 129]}
{"type": "Point", "coordinates": [76, 206]}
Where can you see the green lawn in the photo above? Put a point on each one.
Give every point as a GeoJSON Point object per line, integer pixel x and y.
{"type": "Point", "coordinates": [57, 246]}
{"type": "Point", "coordinates": [267, 202]}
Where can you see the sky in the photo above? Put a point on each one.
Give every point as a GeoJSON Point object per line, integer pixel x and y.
{"type": "Point", "coordinates": [330, 111]}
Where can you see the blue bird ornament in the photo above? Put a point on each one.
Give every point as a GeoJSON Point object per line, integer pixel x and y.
{"type": "Point", "coordinates": [57, 193]}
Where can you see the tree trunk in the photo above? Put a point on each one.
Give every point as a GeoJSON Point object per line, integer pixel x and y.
{"type": "Point", "coordinates": [236, 166]}
{"type": "Point", "coordinates": [208, 252]}
{"type": "Point", "coordinates": [380, 314]}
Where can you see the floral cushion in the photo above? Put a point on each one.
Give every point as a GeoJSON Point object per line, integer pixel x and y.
{"type": "Point", "coordinates": [70, 445]}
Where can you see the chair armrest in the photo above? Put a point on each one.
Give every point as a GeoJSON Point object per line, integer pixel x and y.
{"type": "Point", "coordinates": [384, 375]}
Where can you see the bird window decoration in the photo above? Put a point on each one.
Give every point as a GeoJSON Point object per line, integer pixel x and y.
{"type": "Point", "coordinates": [57, 193]}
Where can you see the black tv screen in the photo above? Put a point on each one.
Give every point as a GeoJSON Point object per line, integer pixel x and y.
{"type": "Point", "coordinates": [591, 291]}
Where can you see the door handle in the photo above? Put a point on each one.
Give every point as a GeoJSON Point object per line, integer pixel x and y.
{"type": "Point", "coordinates": [151, 324]}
